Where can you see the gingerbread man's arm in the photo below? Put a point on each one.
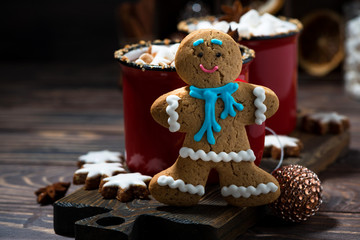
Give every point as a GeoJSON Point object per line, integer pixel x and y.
{"type": "Point", "coordinates": [169, 110]}
{"type": "Point", "coordinates": [259, 102]}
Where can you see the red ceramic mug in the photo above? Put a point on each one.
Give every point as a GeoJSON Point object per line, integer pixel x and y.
{"type": "Point", "coordinates": [150, 148]}
{"type": "Point", "coordinates": [275, 67]}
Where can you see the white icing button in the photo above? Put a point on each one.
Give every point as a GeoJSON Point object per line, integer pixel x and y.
{"type": "Point", "coordinates": [259, 92]}
{"type": "Point", "coordinates": [126, 180]}
{"type": "Point", "coordinates": [247, 155]}
{"type": "Point", "coordinates": [173, 102]}
{"type": "Point", "coordinates": [246, 192]}
{"type": "Point", "coordinates": [180, 184]}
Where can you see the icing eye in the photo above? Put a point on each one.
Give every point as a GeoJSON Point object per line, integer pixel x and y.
{"type": "Point", "coordinates": [218, 54]}
{"type": "Point", "coordinates": [200, 54]}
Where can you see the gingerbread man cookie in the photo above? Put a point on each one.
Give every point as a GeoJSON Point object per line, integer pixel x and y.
{"type": "Point", "coordinates": [213, 111]}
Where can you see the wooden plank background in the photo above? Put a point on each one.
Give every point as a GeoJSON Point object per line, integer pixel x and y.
{"type": "Point", "coordinates": [52, 113]}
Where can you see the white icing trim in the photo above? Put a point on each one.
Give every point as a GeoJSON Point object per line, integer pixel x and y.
{"type": "Point", "coordinates": [247, 155]}
{"type": "Point", "coordinates": [126, 180]}
{"type": "Point", "coordinates": [180, 184]}
{"type": "Point", "coordinates": [97, 169]}
{"type": "Point", "coordinates": [328, 117]}
{"type": "Point", "coordinates": [246, 192]}
{"type": "Point", "coordinates": [173, 102]}
{"type": "Point", "coordinates": [259, 92]}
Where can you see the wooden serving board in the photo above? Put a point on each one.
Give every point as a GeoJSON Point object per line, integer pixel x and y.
{"type": "Point", "coordinates": [86, 215]}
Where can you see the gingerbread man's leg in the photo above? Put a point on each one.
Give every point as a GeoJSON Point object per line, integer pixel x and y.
{"type": "Point", "coordinates": [244, 184]}
{"type": "Point", "coordinates": [182, 184]}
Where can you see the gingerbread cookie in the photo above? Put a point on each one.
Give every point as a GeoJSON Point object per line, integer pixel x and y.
{"type": "Point", "coordinates": [325, 122]}
{"type": "Point", "coordinates": [105, 156]}
{"type": "Point", "coordinates": [213, 111]}
{"type": "Point", "coordinates": [91, 174]}
{"type": "Point", "coordinates": [291, 146]}
{"type": "Point", "coordinates": [125, 187]}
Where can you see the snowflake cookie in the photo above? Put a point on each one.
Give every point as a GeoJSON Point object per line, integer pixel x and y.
{"type": "Point", "coordinates": [292, 146]}
{"type": "Point", "coordinates": [91, 174]}
{"type": "Point", "coordinates": [125, 187]}
{"type": "Point", "coordinates": [104, 156]}
{"type": "Point", "coordinates": [325, 122]}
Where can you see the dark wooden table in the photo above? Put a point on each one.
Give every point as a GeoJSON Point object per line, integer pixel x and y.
{"type": "Point", "coordinates": [50, 114]}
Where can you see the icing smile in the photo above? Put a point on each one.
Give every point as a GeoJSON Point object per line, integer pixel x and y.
{"type": "Point", "coordinates": [208, 70]}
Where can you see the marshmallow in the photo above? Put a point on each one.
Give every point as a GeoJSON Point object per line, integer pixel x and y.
{"type": "Point", "coordinates": [243, 31]}
{"type": "Point", "coordinates": [157, 60]}
{"type": "Point", "coordinates": [173, 49]}
{"type": "Point", "coordinates": [162, 55]}
{"type": "Point", "coordinates": [204, 25]}
{"type": "Point", "coordinates": [146, 57]}
{"type": "Point", "coordinates": [250, 24]}
{"type": "Point", "coordinates": [352, 76]}
{"type": "Point", "coordinates": [352, 46]}
{"type": "Point", "coordinates": [140, 62]}
{"type": "Point", "coordinates": [222, 26]}
{"type": "Point", "coordinates": [157, 48]}
{"type": "Point", "coordinates": [264, 28]}
{"type": "Point", "coordinates": [233, 26]}
{"type": "Point", "coordinates": [251, 18]}
{"type": "Point", "coordinates": [289, 26]}
{"type": "Point", "coordinates": [352, 60]}
{"type": "Point", "coordinates": [274, 21]}
{"type": "Point", "coordinates": [353, 27]}
{"type": "Point", "coordinates": [192, 27]}
{"type": "Point", "coordinates": [353, 89]}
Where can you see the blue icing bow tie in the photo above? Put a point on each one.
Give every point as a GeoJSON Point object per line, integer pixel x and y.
{"type": "Point", "coordinates": [211, 95]}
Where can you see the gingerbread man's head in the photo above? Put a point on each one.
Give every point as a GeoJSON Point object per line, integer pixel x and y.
{"type": "Point", "coordinates": [208, 58]}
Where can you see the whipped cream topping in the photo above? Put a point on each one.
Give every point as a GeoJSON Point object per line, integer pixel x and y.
{"type": "Point", "coordinates": [251, 24]}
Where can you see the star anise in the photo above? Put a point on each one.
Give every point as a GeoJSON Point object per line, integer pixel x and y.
{"type": "Point", "coordinates": [51, 193]}
{"type": "Point", "coordinates": [234, 12]}
{"type": "Point", "coordinates": [234, 34]}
